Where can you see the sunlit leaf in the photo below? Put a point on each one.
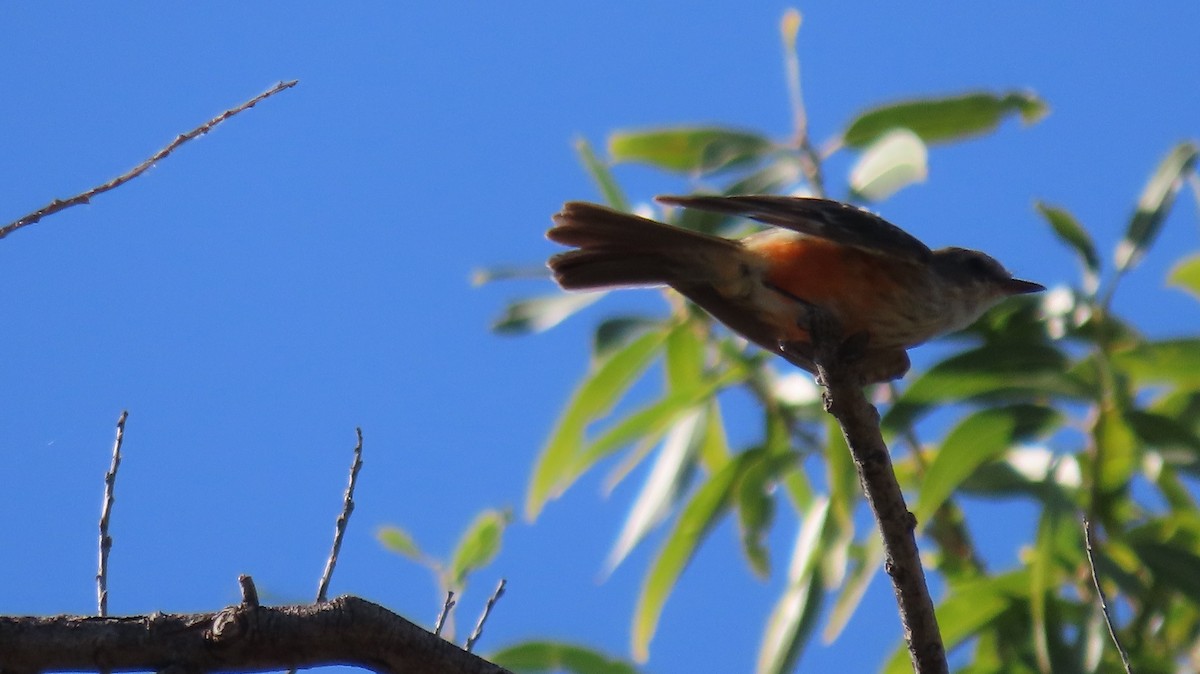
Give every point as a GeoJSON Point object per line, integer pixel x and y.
{"type": "Point", "coordinates": [684, 358]}
{"type": "Point", "coordinates": [852, 591]}
{"type": "Point", "coordinates": [555, 468]}
{"type": "Point", "coordinates": [976, 440]}
{"type": "Point", "coordinates": [1043, 582]}
{"type": "Point", "coordinates": [755, 507]}
{"type": "Point", "coordinates": [1073, 234]}
{"type": "Point", "coordinates": [399, 541]}
{"type": "Point", "coordinates": [478, 546]}
{"type": "Point", "coordinates": [538, 657]}
{"type": "Point", "coordinates": [509, 273]}
{"type": "Point", "coordinates": [796, 611]}
{"type": "Point", "coordinates": [541, 313]}
{"type": "Point", "coordinates": [688, 149]}
{"type": "Point", "coordinates": [944, 119]}
{"type": "Point", "coordinates": [598, 170]}
{"type": "Point", "coordinates": [613, 333]}
{"type": "Point", "coordinates": [1155, 203]}
{"type": "Point", "coordinates": [704, 509]}
{"type": "Point", "coordinates": [1185, 274]}
{"type": "Point", "coordinates": [665, 482]}
{"type": "Point", "coordinates": [892, 162]}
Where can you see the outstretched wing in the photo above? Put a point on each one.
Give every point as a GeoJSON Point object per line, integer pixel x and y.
{"type": "Point", "coordinates": [833, 220]}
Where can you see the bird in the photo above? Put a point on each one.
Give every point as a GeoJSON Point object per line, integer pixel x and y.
{"type": "Point", "coordinates": [884, 288]}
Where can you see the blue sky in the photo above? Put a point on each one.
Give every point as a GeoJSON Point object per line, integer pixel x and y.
{"type": "Point", "coordinates": [304, 269]}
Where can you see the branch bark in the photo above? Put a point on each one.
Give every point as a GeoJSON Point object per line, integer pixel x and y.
{"type": "Point", "coordinates": [242, 638]}
{"type": "Point", "coordinates": [859, 420]}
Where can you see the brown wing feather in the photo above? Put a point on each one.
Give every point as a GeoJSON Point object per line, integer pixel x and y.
{"type": "Point", "coordinates": [833, 220]}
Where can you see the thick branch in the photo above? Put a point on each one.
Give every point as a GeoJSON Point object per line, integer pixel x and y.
{"type": "Point", "coordinates": [859, 420]}
{"type": "Point", "coordinates": [243, 638]}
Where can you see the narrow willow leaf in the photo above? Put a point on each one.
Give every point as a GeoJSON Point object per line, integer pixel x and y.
{"type": "Point", "coordinates": [1118, 450]}
{"type": "Point", "coordinates": [613, 333]}
{"type": "Point", "coordinates": [1155, 203]}
{"type": "Point", "coordinates": [541, 313]}
{"type": "Point", "coordinates": [555, 470]}
{"type": "Point", "coordinates": [892, 162]}
{"type": "Point", "coordinates": [755, 505]}
{"type": "Point", "coordinates": [1168, 361]}
{"type": "Point", "coordinates": [666, 481]}
{"type": "Point", "coordinates": [399, 541]}
{"type": "Point", "coordinates": [794, 615]}
{"type": "Point", "coordinates": [1185, 275]}
{"type": "Point", "coordinates": [868, 565]}
{"type": "Point", "coordinates": [684, 359]}
{"type": "Point", "coordinates": [688, 149]}
{"type": "Point", "coordinates": [478, 545]}
{"type": "Point", "coordinates": [1174, 567]}
{"type": "Point", "coordinates": [1043, 583]}
{"type": "Point", "coordinates": [991, 370]}
{"type": "Point", "coordinates": [977, 439]}
{"type": "Point", "coordinates": [704, 509]}
{"type": "Point", "coordinates": [969, 609]}
{"type": "Point", "coordinates": [598, 170]}
{"type": "Point", "coordinates": [944, 119]}
{"type": "Point", "coordinates": [538, 657]}
{"type": "Point", "coordinates": [1073, 234]}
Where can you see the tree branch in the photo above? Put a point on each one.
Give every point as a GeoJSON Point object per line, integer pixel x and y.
{"type": "Point", "coordinates": [859, 420]}
{"type": "Point", "coordinates": [85, 197]}
{"type": "Point", "coordinates": [110, 482]}
{"type": "Point", "coordinates": [243, 638]}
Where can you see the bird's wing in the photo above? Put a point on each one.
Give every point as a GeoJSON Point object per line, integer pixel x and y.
{"type": "Point", "coordinates": [833, 220]}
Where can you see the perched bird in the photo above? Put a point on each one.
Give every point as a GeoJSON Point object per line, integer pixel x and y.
{"type": "Point", "coordinates": [883, 286]}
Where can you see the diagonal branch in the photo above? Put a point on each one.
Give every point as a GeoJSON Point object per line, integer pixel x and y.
{"type": "Point", "coordinates": [342, 520]}
{"type": "Point", "coordinates": [859, 421]}
{"type": "Point", "coordinates": [85, 197]}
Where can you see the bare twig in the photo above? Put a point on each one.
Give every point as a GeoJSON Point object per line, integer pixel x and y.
{"type": "Point", "coordinates": [249, 591]}
{"type": "Point", "coordinates": [859, 421]}
{"type": "Point", "coordinates": [342, 520]}
{"type": "Point", "coordinates": [1112, 630]}
{"type": "Point", "coordinates": [85, 197]}
{"type": "Point", "coordinates": [110, 481]}
{"type": "Point", "coordinates": [487, 610]}
{"type": "Point", "coordinates": [445, 612]}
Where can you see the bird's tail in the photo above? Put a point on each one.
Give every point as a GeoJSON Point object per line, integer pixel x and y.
{"type": "Point", "coordinates": [615, 249]}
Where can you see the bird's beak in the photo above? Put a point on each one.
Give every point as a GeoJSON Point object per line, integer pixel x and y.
{"type": "Point", "coordinates": [1016, 286]}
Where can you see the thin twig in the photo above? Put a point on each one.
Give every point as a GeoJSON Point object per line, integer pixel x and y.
{"type": "Point", "coordinates": [342, 520]}
{"type": "Point", "coordinates": [110, 481]}
{"type": "Point", "coordinates": [1112, 630]}
{"type": "Point", "coordinates": [441, 619]}
{"type": "Point", "coordinates": [487, 610]}
{"type": "Point", "coordinates": [249, 590]}
{"type": "Point", "coordinates": [85, 197]}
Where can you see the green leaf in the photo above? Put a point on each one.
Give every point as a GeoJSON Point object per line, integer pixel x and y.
{"type": "Point", "coordinates": [555, 468]}
{"type": "Point", "coordinates": [478, 546]}
{"type": "Point", "coordinates": [1168, 361]}
{"type": "Point", "coordinates": [1118, 451]}
{"type": "Point", "coordinates": [1155, 203]}
{"type": "Point", "coordinates": [976, 440]}
{"type": "Point", "coordinates": [613, 333]}
{"type": "Point", "coordinates": [598, 170]}
{"type": "Point", "coordinates": [1185, 275]}
{"type": "Point", "coordinates": [664, 484]}
{"type": "Point", "coordinates": [535, 657]}
{"type": "Point", "coordinates": [944, 119]}
{"type": "Point", "coordinates": [684, 359]}
{"type": "Point", "coordinates": [890, 163]}
{"type": "Point", "coordinates": [755, 503]}
{"type": "Point", "coordinates": [969, 609]}
{"type": "Point", "coordinates": [509, 273]}
{"type": "Point", "coordinates": [992, 370]}
{"type": "Point", "coordinates": [688, 149]}
{"type": "Point", "coordinates": [399, 541]}
{"type": "Point", "coordinates": [1073, 234]}
{"type": "Point", "coordinates": [705, 508]}
{"type": "Point", "coordinates": [796, 612]}
{"type": "Point", "coordinates": [541, 313]}
{"type": "Point", "coordinates": [870, 560]}
{"type": "Point", "coordinates": [1174, 567]}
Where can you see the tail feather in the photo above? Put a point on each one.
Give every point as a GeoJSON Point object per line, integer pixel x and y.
{"type": "Point", "coordinates": [615, 249]}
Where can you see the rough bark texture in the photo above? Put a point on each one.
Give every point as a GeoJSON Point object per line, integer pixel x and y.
{"type": "Point", "coordinates": [242, 638]}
